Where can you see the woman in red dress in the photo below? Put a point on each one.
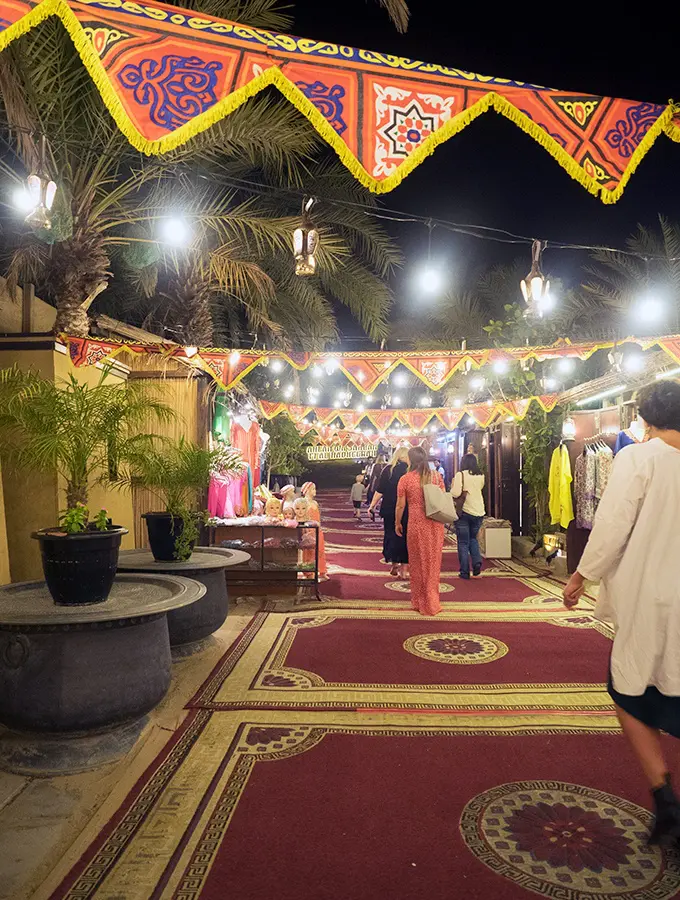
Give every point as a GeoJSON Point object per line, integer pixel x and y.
{"type": "Point", "coordinates": [425, 537]}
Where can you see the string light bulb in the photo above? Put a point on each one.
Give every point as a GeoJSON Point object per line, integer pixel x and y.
{"type": "Point", "coordinates": [535, 287]}
{"type": "Point", "coordinates": [305, 241]}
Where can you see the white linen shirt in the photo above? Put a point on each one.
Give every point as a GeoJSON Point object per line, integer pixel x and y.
{"type": "Point", "coordinates": [634, 549]}
{"type": "Point", "coordinates": [474, 485]}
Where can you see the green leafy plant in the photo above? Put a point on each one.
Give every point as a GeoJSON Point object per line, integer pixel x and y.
{"type": "Point", "coordinates": [287, 447]}
{"type": "Point", "coordinates": [179, 474]}
{"type": "Point", "coordinates": [88, 434]}
{"type": "Point", "coordinates": [77, 519]}
{"type": "Point", "coordinates": [541, 432]}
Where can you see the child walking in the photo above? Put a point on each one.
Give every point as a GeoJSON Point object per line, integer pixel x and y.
{"type": "Point", "coordinates": [357, 495]}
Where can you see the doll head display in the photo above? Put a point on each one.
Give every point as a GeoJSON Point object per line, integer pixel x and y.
{"type": "Point", "coordinates": [273, 508]}
{"type": "Point", "coordinates": [301, 509]}
{"type": "Point", "coordinates": [288, 493]}
{"type": "Point", "coordinates": [288, 511]}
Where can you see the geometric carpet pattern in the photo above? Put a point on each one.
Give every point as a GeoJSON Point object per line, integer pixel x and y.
{"type": "Point", "coordinates": [350, 749]}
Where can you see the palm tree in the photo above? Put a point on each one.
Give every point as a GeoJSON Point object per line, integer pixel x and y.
{"type": "Point", "coordinates": [455, 318]}
{"type": "Point", "coordinates": [274, 15]}
{"type": "Point", "coordinates": [620, 281]}
{"type": "Point", "coordinates": [107, 209]}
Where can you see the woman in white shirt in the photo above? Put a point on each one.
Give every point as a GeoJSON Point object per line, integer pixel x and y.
{"type": "Point", "coordinates": [634, 549]}
{"type": "Point", "coordinates": [469, 481]}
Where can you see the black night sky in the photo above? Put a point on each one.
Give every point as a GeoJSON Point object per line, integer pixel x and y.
{"type": "Point", "coordinates": [492, 173]}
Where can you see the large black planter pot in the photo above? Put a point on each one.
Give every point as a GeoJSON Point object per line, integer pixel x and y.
{"type": "Point", "coordinates": [79, 568]}
{"type": "Point", "coordinates": [164, 531]}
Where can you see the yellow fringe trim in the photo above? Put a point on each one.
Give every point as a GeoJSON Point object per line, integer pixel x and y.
{"type": "Point", "coordinates": [274, 76]}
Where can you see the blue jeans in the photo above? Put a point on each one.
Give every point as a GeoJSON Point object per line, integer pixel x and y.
{"type": "Point", "coordinates": [467, 529]}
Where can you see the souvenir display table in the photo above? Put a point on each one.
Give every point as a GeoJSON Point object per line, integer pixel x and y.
{"type": "Point", "coordinates": [279, 554]}
{"type": "Point", "coordinates": [191, 624]}
{"type": "Point", "coordinates": [78, 671]}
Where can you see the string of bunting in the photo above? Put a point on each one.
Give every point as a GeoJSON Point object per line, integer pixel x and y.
{"type": "Point", "coordinates": [166, 74]}
{"type": "Point", "coordinates": [416, 420]}
{"type": "Point", "coordinates": [365, 370]}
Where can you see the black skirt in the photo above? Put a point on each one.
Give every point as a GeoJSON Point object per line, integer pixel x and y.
{"type": "Point", "coordinates": [394, 547]}
{"type": "Point", "coordinates": [653, 708]}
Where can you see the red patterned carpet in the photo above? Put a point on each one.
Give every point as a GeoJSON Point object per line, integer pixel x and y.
{"type": "Point", "coordinates": [350, 749]}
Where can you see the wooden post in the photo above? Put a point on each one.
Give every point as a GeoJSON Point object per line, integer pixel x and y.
{"type": "Point", "coordinates": [27, 296]}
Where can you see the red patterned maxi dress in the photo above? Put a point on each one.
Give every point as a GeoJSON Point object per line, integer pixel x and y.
{"type": "Point", "coordinates": [425, 541]}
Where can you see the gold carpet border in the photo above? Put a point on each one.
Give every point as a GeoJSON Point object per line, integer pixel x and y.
{"type": "Point", "coordinates": [174, 827]}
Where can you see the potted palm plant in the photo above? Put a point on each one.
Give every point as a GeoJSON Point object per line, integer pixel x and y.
{"type": "Point", "coordinates": [179, 475]}
{"type": "Point", "coordinates": [87, 434]}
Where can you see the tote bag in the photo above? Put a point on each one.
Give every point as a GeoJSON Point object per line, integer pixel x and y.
{"type": "Point", "coordinates": [439, 505]}
{"type": "Point", "coordinates": [459, 502]}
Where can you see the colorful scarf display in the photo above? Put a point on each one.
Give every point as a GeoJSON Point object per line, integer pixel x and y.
{"type": "Point", "coordinates": [166, 74]}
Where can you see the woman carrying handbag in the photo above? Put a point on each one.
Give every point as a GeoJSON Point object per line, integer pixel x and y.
{"type": "Point", "coordinates": [425, 537]}
{"type": "Point", "coordinates": [467, 489]}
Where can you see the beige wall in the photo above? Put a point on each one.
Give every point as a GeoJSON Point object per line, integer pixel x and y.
{"type": "Point", "coordinates": [33, 501]}
{"type": "Point", "coordinates": [42, 314]}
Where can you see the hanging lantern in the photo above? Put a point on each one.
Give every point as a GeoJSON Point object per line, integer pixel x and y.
{"type": "Point", "coordinates": [535, 287]}
{"type": "Point", "coordinates": [568, 429]}
{"type": "Point", "coordinates": [305, 242]}
{"type": "Point", "coordinates": [615, 358]}
{"type": "Point", "coordinates": [41, 190]}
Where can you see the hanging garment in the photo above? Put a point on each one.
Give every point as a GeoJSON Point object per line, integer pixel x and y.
{"type": "Point", "coordinates": [625, 438]}
{"type": "Point", "coordinates": [217, 496]}
{"type": "Point", "coordinates": [584, 489]}
{"type": "Point", "coordinates": [559, 487]}
{"type": "Point", "coordinates": [603, 466]}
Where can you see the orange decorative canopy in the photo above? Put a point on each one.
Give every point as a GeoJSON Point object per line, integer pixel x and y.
{"type": "Point", "coordinates": [365, 370]}
{"type": "Point", "coordinates": [167, 73]}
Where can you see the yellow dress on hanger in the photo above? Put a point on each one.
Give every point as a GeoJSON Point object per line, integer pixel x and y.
{"type": "Point", "coordinates": [559, 487]}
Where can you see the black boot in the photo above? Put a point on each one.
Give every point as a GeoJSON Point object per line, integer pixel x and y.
{"type": "Point", "coordinates": [666, 829]}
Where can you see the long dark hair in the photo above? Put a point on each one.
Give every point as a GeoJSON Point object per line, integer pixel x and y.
{"type": "Point", "coordinates": [469, 463]}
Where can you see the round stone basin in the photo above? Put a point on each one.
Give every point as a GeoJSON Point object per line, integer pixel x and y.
{"type": "Point", "coordinates": [80, 668]}
{"type": "Point", "coordinates": [192, 624]}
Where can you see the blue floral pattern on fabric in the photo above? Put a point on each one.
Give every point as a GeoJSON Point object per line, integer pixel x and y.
{"type": "Point", "coordinates": [177, 88]}
{"type": "Point", "coordinates": [328, 100]}
{"type": "Point", "coordinates": [627, 134]}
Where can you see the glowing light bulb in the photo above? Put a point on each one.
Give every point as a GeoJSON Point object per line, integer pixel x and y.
{"type": "Point", "coordinates": [477, 383]}
{"type": "Point", "coordinates": [277, 365]}
{"type": "Point", "coordinates": [399, 379]}
{"type": "Point", "coordinates": [635, 362]}
{"type": "Point", "coordinates": [457, 403]}
{"type": "Point", "coordinates": [396, 401]}
{"type": "Point", "coordinates": [500, 367]}
{"type": "Point", "coordinates": [649, 310]}
{"type": "Point", "coordinates": [368, 398]}
{"type": "Point", "coordinates": [565, 366]}
{"type": "Point", "coordinates": [425, 400]}
{"type": "Point", "coordinates": [234, 358]}
{"type": "Point", "coordinates": [23, 200]}
{"type": "Point", "coordinates": [317, 371]}
{"type": "Point", "coordinates": [360, 407]}
{"type": "Point", "coordinates": [430, 280]}
{"type": "Point", "coordinates": [175, 231]}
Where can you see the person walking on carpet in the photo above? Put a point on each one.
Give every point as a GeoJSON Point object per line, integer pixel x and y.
{"type": "Point", "coordinates": [357, 495]}
{"type": "Point", "coordinates": [634, 550]}
{"type": "Point", "coordinates": [470, 482]}
{"type": "Point", "coordinates": [395, 550]}
{"type": "Point", "coordinates": [425, 538]}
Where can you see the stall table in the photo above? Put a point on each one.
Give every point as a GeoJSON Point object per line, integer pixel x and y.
{"type": "Point", "coordinates": [279, 556]}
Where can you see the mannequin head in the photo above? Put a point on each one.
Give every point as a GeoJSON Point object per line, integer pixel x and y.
{"type": "Point", "coordinates": [288, 493]}
{"type": "Point", "coordinates": [273, 508]}
{"type": "Point", "coordinates": [301, 509]}
{"type": "Point", "coordinates": [288, 511]}
{"type": "Point", "coordinates": [308, 490]}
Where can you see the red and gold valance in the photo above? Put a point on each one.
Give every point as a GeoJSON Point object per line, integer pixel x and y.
{"type": "Point", "coordinates": [365, 370]}
{"type": "Point", "coordinates": [167, 73]}
{"type": "Point", "coordinates": [415, 420]}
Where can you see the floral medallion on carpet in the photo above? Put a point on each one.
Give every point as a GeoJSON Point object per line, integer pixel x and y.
{"type": "Point", "coordinates": [265, 804]}
{"type": "Point", "coordinates": [528, 663]}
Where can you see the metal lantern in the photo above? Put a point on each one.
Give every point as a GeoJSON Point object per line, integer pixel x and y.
{"type": "Point", "coordinates": [41, 190]}
{"type": "Point", "coordinates": [535, 286]}
{"type": "Point", "coordinates": [305, 242]}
